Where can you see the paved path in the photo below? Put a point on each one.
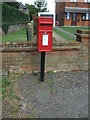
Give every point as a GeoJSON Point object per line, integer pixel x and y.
{"type": "Point", "coordinates": [61, 95]}
{"type": "Point", "coordinates": [68, 33]}
{"type": "Point", "coordinates": [58, 37]}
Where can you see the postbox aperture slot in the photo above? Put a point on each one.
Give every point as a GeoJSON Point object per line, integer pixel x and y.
{"type": "Point", "coordinates": [46, 23]}
{"type": "Point", "coordinates": [45, 27]}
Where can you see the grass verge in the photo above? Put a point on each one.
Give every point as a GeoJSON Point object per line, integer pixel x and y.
{"type": "Point", "coordinates": [10, 98]}
{"type": "Point", "coordinates": [73, 29]}
{"type": "Point", "coordinates": [18, 36]}
{"type": "Point", "coordinates": [68, 38]}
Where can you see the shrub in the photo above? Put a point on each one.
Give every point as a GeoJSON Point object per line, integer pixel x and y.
{"type": "Point", "coordinates": [11, 15]}
{"type": "Point", "coordinates": [57, 23]}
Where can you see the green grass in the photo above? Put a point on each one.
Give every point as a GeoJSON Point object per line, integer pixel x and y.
{"type": "Point", "coordinates": [7, 88]}
{"type": "Point", "coordinates": [5, 85]}
{"type": "Point", "coordinates": [73, 29]}
{"type": "Point", "coordinates": [50, 72]}
{"type": "Point", "coordinates": [18, 36]}
{"type": "Point", "coordinates": [68, 38]}
{"type": "Point", "coordinates": [50, 82]}
{"type": "Point", "coordinates": [10, 99]}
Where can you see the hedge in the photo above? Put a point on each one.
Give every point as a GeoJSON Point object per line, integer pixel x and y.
{"type": "Point", "coordinates": [13, 4]}
{"type": "Point", "coordinates": [11, 15]}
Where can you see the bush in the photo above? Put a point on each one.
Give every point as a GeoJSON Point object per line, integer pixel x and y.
{"type": "Point", "coordinates": [11, 15]}
{"type": "Point", "coordinates": [57, 23]}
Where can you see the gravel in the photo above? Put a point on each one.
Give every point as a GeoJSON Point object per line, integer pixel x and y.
{"type": "Point", "coordinates": [61, 95]}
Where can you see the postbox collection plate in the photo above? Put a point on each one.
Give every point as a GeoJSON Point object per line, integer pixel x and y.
{"type": "Point", "coordinates": [45, 40]}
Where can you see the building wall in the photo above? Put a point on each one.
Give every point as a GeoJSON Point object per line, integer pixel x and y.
{"type": "Point", "coordinates": [82, 22]}
{"type": "Point", "coordinates": [79, 21]}
{"type": "Point", "coordinates": [67, 22]}
{"type": "Point", "coordinates": [60, 10]}
{"type": "Point", "coordinates": [77, 4]}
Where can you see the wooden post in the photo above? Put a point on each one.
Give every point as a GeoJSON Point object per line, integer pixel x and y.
{"type": "Point", "coordinates": [32, 29]}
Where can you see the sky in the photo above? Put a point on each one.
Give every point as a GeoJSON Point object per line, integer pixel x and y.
{"type": "Point", "coordinates": [50, 4]}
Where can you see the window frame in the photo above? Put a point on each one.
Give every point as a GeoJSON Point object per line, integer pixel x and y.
{"type": "Point", "coordinates": [83, 15]}
{"type": "Point", "coordinates": [74, 16]}
{"type": "Point", "coordinates": [87, 16]}
{"type": "Point", "coordinates": [73, 1]}
{"type": "Point", "coordinates": [86, 1]}
{"type": "Point", "coordinates": [68, 16]}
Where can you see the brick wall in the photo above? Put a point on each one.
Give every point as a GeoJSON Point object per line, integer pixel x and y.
{"type": "Point", "coordinates": [60, 12]}
{"type": "Point", "coordinates": [77, 4]}
{"type": "Point", "coordinates": [24, 57]}
{"type": "Point", "coordinates": [79, 16]}
{"type": "Point", "coordinates": [67, 22]}
{"type": "Point", "coordinates": [61, 15]}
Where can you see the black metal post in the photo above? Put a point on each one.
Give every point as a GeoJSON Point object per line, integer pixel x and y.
{"type": "Point", "coordinates": [42, 66]}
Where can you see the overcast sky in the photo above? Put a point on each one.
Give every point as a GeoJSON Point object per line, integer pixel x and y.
{"type": "Point", "coordinates": [50, 4]}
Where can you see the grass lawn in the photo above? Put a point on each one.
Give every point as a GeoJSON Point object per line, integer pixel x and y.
{"type": "Point", "coordinates": [73, 29]}
{"type": "Point", "coordinates": [17, 36]}
{"type": "Point", "coordinates": [69, 38]}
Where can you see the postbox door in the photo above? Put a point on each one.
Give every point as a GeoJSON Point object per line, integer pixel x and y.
{"type": "Point", "coordinates": [45, 41]}
{"type": "Point", "coordinates": [45, 34]}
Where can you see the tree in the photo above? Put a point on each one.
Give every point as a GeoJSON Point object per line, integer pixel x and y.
{"type": "Point", "coordinates": [40, 5]}
{"type": "Point", "coordinates": [32, 9]}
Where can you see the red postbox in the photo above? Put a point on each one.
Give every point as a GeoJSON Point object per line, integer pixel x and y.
{"type": "Point", "coordinates": [45, 30]}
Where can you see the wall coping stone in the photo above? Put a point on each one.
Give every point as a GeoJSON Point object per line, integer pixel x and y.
{"type": "Point", "coordinates": [31, 46]}
{"type": "Point", "coordinates": [83, 31]}
{"type": "Point", "coordinates": [83, 35]}
{"type": "Point", "coordinates": [31, 49]}
{"type": "Point", "coordinates": [34, 44]}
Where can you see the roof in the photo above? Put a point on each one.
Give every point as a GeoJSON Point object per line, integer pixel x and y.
{"type": "Point", "coordinates": [76, 10]}
{"type": "Point", "coordinates": [21, 6]}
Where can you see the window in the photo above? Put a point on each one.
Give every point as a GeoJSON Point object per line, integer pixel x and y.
{"type": "Point", "coordinates": [89, 16]}
{"type": "Point", "coordinates": [68, 16]}
{"type": "Point", "coordinates": [86, 1]}
{"type": "Point", "coordinates": [86, 16]}
{"type": "Point", "coordinates": [83, 16]}
{"type": "Point", "coordinates": [74, 16]}
{"type": "Point", "coordinates": [73, 0]}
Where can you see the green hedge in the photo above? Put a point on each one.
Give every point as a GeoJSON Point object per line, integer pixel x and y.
{"type": "Point", "coordinates": [11, 15]}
